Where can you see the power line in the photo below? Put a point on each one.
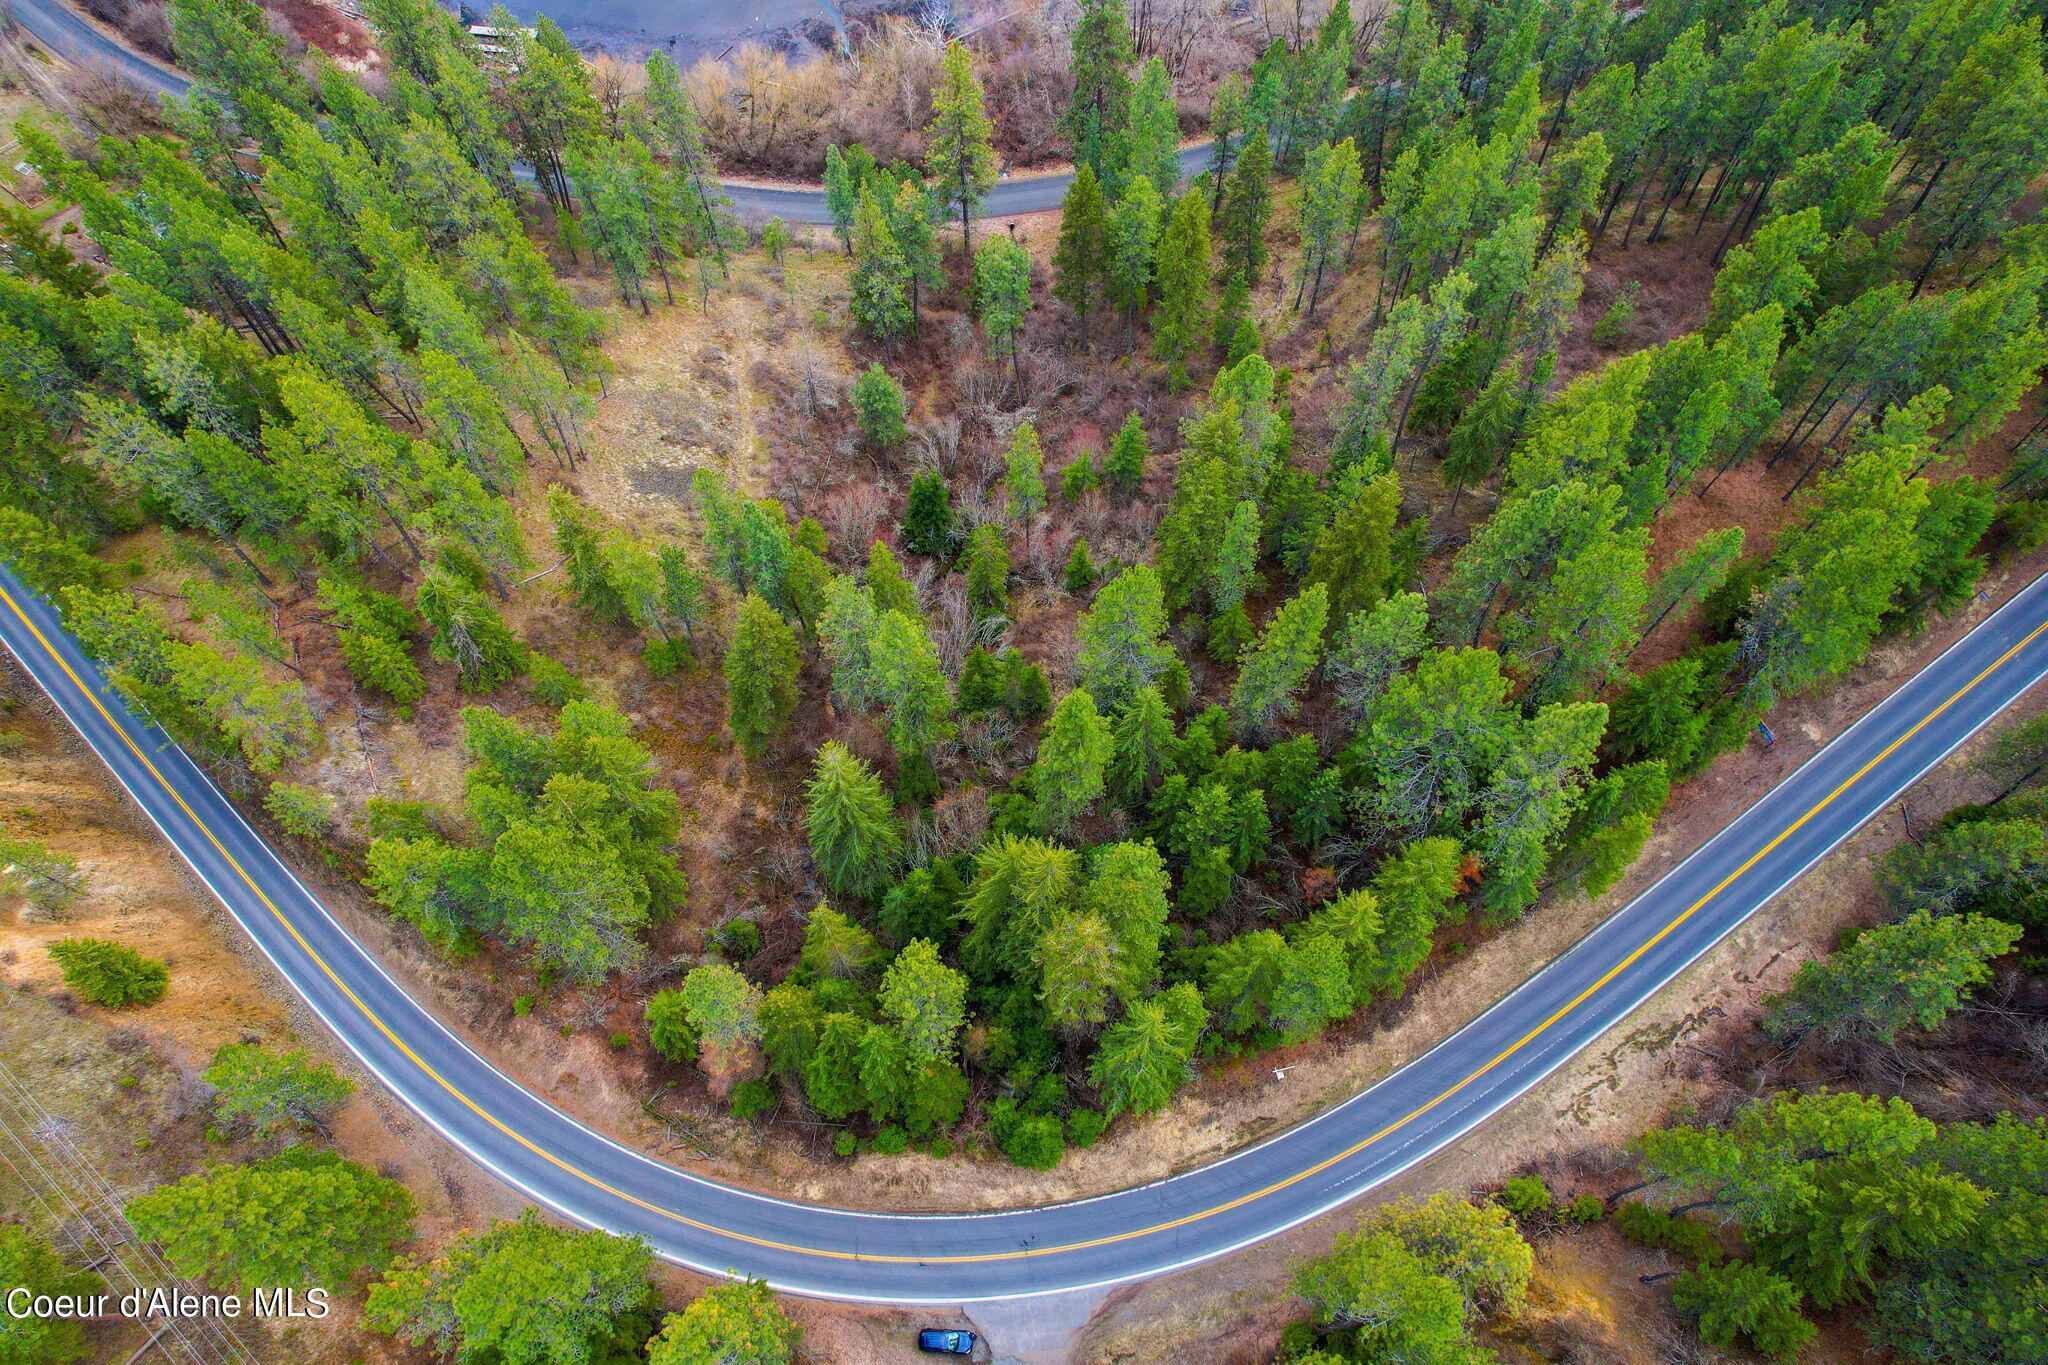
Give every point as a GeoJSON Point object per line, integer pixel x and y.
{"type": "Point", "coordinates": [58, 1175]}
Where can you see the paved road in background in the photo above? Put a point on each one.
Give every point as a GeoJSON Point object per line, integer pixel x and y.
{"type": "Point", "coordinates": [70, 35]}
{"type": "Point", "coordinates": [1135, 1233]}
{"type": "Point", "coordinates": [61, 29]}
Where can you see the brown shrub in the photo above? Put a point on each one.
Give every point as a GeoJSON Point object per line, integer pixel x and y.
{"type": "Point", "coordinates": [108, 104]}
{"type": "Point", "coordinates": [148, 26]}
{"type": "Point", "coordinates": [775, 113]}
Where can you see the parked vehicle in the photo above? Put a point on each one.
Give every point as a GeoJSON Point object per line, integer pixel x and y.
{"type": "Point", "coordinates": [946, 1341]}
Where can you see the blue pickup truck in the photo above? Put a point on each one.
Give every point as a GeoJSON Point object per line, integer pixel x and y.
{"type": "Point", "coordinates": [946, 1341]}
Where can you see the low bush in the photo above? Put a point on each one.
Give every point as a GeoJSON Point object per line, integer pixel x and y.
{"type": "Point", "coordinates": [553, 683]}
{"type": "Point", "coordinates": [738, 939]}
{"type": "Point", "coordinates": [110, 974]}
{"type": "Point", "coordinates": [300, 810]}
{"type": "Point", "coordinates": [1587, 1208]}
{"type": "Point", "coordinates": [750, 1098]}
{"type": "Point", "coordinates": [1526, 1196]}
{"type": "Point", "coordinates": [1084, 1126]}
{"type": "Point", "coordinates": [1647, 1227]}
{"type": "Point", "coordinates": [1034, 1141]}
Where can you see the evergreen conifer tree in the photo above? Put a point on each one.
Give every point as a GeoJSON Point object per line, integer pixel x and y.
{"type": "Point", "coordinates": [468, 632]}
{"type": "Point", "coordinates": [1002, 296]}
{"type": "Point", "coordinates": [1121, 649]}
{"type": "Point", "coordinates": [1024, 479]}
{"type": "Point", "coordinates": [1125, 466]}
{"type": "Point", "coordinates": [1150, 145]}
{"type": "Point", "coordinates": [981, 682]}
{"type": "Point", "coordinates": [1103, 56]}
{"type": "Point", "coordinates": [910, 683]}
{"type": "Point", "coordinates": [1149, 1054]}
{"type": "Point", "coordinates": [1080, 575]}
{"type": "Point", "coordinates": [1182, 323]}
{"type": "Point", "coordinates": [887, 582]}
{"type": "Point", "coordinates": [1067, 778]}
{"type": "Point", "coordinates": [1142, 747]}
{"type": "Point", "coordinates": [988, 573]}
{"type": "Point", "coordinates": [1025, 692]}
{"type": "Point", "coordinates": [1247, 207]}
{"type": "Point", "coordinates": [1353, 557]}
{"type": "Point", "coordinates": [928, 515]}
{"type": "Point", "coordinates": [853, 835]}
{"type": "Point", "coordinates": [1133, 236]}
{"type": "Point", "coordinates": [881, 277]}
{"type": "Point", "coordinates": [1080, 261]}
{"type": "Point", "coordinates": [1287, 652]}
{"type": "Point", "coordinates": [958, 154]}
{"type": "Point", "coordinates": [761, 668]}
{"type": "Point", "coordinates": [1329, 203]}
{"type": "Point", "coordinates": [879, 406]}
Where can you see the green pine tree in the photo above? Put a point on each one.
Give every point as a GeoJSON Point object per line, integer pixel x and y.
{"type": "Point", "coordinates": [1287, 652]}
{"type": "Point", "coordinates": [1067, 778]}
{"type": "Point", "coordinates": [928, 515]}
{"type": "Point", "coordinates": [761, 667]}
{"type": "Point", "coordinates": [1125, 466]}
{"type": "Point", "coordinates": [988, 573]}
{"type": "Point", "coordinates": [1080, 262]}
{"type": "Point", "coordinates": [1103, 55]}
{"type": "Point", "coordinates": [853, 834]}
{"type": "Point", "coordinates": [879, 406]}
{"type": "Point", "coordinates": [958, 154]}
{"type": "Point", "coordinates": [1181, 325]}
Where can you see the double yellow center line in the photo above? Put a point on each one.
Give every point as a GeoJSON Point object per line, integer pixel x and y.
{"type": "Point", "coordinates": [588, 1178]}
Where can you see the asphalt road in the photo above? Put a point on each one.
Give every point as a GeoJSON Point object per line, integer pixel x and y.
{"type": "Point", "coordinates": [61, 29]}
{"type": "Point", "coordinates": [65, 32]}
{"type": "Point", "coordinates": [1132, 1234]}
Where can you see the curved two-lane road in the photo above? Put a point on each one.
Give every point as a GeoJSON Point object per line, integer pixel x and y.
{"type": "Point", "coordinates": [1134, 1233]}
{"type": "Point", "coordinates": [64, 31]}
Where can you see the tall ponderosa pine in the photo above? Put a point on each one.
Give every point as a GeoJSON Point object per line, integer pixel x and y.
{"type": "Point", "coordinates": [958, 154]}
{"type": "Point", "coordinates": [1080, 261]}
{"type": "Point", "coordinates": [1133, 238]}
{"type": "Point", "coordinates": [1331, 186]}
{"type": "Point", "coordinates": [1150, 145]}
{"type": "Point", "coordinates": [1247, 206]}
{"type": "Point", "coordinates": [1102, 60]}
{"type": "Point", "coordinates": [1181, 325]}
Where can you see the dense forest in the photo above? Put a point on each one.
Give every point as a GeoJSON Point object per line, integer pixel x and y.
{"type": "Point", "coordinates": [1356, 657]}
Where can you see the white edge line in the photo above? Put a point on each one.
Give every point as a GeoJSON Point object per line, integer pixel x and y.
{"type": "Point", "coordinates": [1328, 1114]}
